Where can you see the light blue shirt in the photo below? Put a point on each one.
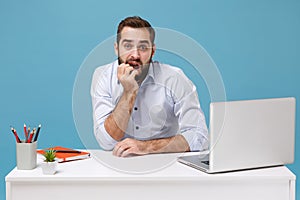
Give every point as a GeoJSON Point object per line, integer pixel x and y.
{"type": "Point", "coordinates": [166, 104]}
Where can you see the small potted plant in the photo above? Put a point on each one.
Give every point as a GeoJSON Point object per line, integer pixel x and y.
{"type": "Point", "coordinates": [49, 164]}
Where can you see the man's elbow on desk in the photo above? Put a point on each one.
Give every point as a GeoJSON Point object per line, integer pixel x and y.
{"type": "Point", "coordinates": [105, 141]}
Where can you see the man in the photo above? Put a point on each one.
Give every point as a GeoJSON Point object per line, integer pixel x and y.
{"type": "Point", "coordinates": [141, 106]}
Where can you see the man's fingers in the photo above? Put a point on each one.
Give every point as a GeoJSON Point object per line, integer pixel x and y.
{"type": "Point", "coordinates": [119, 149]}
{"type": "Point", "coordinates": [123, 148]}
{"type": "Point", "coordinates": [121, 68]}
{"type": "Point", "coordinates": [127, 152]}
{"type": "Point", "coordinates": [115, 150]}
{"type": "Point", "coordinates": [128, 147]}
{"type": "Point", "coordinates": [125, 71]}
{"type": "Point", "coordinates": [133, 73]}
{"type": "Point", "coordinates": [128, 70]}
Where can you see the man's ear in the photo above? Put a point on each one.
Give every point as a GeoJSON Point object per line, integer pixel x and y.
{"type": "Point", "coordinates": [116, 48]}
{"type": "Point", "coordinates": [153, 49]}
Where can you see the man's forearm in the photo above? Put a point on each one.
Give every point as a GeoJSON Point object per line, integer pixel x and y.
{"type": "Point", "coordinates": [167, 145]}
{"type": "Point", "coordinates": [116, 123]}
{"type": "Point", "coordinates": [130, 146]}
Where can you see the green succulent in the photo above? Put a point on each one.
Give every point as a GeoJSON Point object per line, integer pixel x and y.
{"type": "Point", "coordinates": [50, 155]}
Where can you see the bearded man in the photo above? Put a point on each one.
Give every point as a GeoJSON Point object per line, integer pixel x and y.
{"type": "Point", "coordinates": [141, 106]}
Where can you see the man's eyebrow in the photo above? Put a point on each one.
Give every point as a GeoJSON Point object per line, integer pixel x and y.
{"type": "Point", "coordinates": [141, 41]}
{"type": "Point", "coordinates": [144, 41]}
{"type": "Point", "coordinates": [126, 40]}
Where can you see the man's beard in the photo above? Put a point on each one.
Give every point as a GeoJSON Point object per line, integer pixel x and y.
{"type": "Point", "coordinates": [138, 61]}
{"type": "Point", "coordinates": [136, 64]}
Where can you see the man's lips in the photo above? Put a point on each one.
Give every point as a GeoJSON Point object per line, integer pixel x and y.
{"type": "Point", "coordinates": [134, 64]}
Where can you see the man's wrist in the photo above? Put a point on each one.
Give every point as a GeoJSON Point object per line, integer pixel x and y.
{"type": "Point", "coordinates": [130, 94]}
{"type": "Point", "coordinates": [176, 143]}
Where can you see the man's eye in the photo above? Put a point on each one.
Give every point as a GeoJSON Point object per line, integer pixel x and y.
{"type": "Point", "coordinates": [128, 46]}
{"type": "Point", "coordinates": [143, 47]}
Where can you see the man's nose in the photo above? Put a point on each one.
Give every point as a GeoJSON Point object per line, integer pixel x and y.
{"type": "Point", "coordinates": [135, 53]}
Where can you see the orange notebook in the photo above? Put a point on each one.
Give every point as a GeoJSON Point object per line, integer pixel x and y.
{"type": "Point", "coordinates": [66, 154]}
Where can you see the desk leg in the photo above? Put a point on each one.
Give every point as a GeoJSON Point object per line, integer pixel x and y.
{"type": "Point", "coordinates": [8, 191]}
{"type": "Point", "coordinates": [292, 190]}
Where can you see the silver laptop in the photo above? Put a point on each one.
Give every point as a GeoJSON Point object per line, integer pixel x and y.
{"type": "Point", "coordinates": [248, 134]}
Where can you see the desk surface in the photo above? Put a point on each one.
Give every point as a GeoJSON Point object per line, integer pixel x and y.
{"type": "Point", "coordinates": [104, 166]}
{"type": "Point", "coordinates": [148, 177]}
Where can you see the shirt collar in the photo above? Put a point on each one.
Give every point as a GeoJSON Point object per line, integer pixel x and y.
{"type": "Point", "coordinates": [150, 74]}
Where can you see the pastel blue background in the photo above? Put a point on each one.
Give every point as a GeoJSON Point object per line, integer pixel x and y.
{"type": "Point", "coordinates": [255, 45]}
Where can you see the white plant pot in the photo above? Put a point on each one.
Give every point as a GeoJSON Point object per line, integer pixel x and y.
{"type": "Point", "coordinates": [49, 168]}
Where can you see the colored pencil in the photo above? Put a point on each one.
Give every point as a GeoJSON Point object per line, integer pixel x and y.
{"type": "Point", "coordinates": [31, 135]}
{"type": "Point", "coordinates": [25, 131]}
{"type": "Point", "coordinates": [37, 133]}
{"type": "Point", "coordinates": [16, 135]}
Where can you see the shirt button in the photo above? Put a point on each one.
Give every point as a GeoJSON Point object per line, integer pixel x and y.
{"type": "Point", "coordinates": [136, 127]}
{"type": "Point", "coordinates": [135, 108]}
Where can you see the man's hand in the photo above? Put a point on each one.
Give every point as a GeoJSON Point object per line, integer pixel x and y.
{"type": "Point", "coordinates": [126, 76]}
{"type": "Point", "coordinates": [129, 147]}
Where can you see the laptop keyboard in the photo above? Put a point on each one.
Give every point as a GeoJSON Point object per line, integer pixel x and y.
{"type": "Point", "coordinates": [205, 162]}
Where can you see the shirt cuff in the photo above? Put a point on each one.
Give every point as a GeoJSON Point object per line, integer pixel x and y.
{"type": "Point", "coordinates": [196, 141]}
{"type": "Point", "coordinates": [104, 139]}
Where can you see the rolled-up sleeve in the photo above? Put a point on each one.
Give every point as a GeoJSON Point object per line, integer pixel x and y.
{"type": "Point", "coordinates": [192, 124]}
{"type": "Point", "coordinates": [102, 106]}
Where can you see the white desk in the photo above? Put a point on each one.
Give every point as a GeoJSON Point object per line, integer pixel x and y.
{"type": "Point", "coordinates": [89, 179]}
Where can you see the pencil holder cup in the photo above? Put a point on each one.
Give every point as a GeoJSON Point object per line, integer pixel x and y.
{"type": "Point", "coordinates": [26, 155]}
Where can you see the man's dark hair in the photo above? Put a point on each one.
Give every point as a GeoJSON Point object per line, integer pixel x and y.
{"type": "Point", "coordinates": [135, 22]}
